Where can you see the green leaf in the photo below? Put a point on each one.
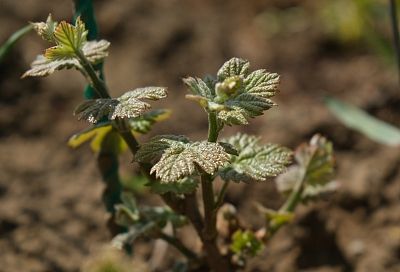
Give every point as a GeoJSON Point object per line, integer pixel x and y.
{"type": "Point", "coordinates": [245, 243]}
{"type": "Point", "coordinates": [144, 123]}
{"type": "Point", "coordinates": [180, 158]}
{"type": "Point", "coordinates": [127, 213]}
{"type": "Point", "coordinates": [236, 95]}
{"type": "Point", "coordinates": [314, 166]}
{"type": "Point", "coordinates": [183, 186]}
{"type": "Point", "coordinates": [96, 51]}
{"type": "Point", "coordinates": [129, 105]}
{"type": "Point", "coordinates": [69, 40]}
{"type": "Point", "coordinates": [198, 87]}
{"type": "Point", "coordinates": [14, 38]}
{"type": "Point", "coordinates": [233, 67]}
{"type": "Point", "coordinates": [359, 120]}
{"type": "Point", "coordinates": [46, 29]}
{"type": "Point", "coordinates": [44, 67]}
{"type": "Point", "coordinates": [98, 134]}
{"type": "Point", "coordinates": [254, 162]}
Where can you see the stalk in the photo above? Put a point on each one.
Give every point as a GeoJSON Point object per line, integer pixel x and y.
{"type": "Point", "coordinates": [395, 30]}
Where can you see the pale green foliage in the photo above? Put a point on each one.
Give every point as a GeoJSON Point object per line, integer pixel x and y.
{"type": "Point", "coordinates": [254, 162]}
{"type": "Point", "coordinates": [245, 243]}
{"type": "Point", "coordinates": [69, 41]}
{"type": "Point", "coordinates": [144, 221]}
{"type": "Point", "coordinates": [183, 186]}
{"type": "Point", "coordinates": [236, 95]}
{"type": "Point", "coordinates": [46, 29]}
{"type": "Point", "coordinates": [145, 122]}
{"type": "Point", "coordinates": [129, 105]}
{"type": "Point", "coordinates": [181, 158]}
{"type": "Point", "coordinates": [314, 167]}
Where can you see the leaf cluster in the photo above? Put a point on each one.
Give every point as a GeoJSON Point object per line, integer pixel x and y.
{"type": "Point", "coordinates": [235, 94]}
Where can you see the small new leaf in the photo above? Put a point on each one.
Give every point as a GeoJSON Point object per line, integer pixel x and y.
{"type": "Point", "coordinates": [254, 162]}
{"type": "Point", "coordinates": [69, 39]}
{"type": "Point", "coordinates": [314, 166]}
{"type": "Point", "coordinates": [245, 243]}
{"type": "Point", "coordinates": [180, 158]}
{"type": "Point", "coordinates": [129, 105]}
{"type": "Point", "coordinates": [236, 95]}
{"type": "Point", "coordinates": [46, 29]}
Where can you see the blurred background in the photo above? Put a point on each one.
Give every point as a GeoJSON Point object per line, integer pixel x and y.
{"type": "Point", "coordinates": [51, 214]}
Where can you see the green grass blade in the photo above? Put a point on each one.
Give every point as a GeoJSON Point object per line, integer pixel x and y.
{"type": "Point", "coordinates": [6, 47]}
{"type": "Point", "coordinates": [359, 120]}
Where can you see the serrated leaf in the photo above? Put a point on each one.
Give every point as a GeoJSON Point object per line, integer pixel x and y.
{"type": "Point", "coordinates": [144, 123]}
{"type": "Point", "coordinates": [183, 186]}
{"type": "Point", "coordinates": [254, 162]}
{"type": "Point", "coordinates": [44, 67]}
{"type": "Point", "coordinates": [128, 105]}
{"type": "Point", "coordinates": [262, 83]}
{"type": "Point", "coordinates": [314, 166]}
{"type": "Point", "coordinates": [96, 51]}
{"type": "Point", "coordinates": [233, 67]}
{"type": "Point", "coordinates": [46, 29]}
{"type": "Point", "coordinates": [180, 158]}
{"type": "Point", "coordinates": [198, 87]}
{"type": "Point", "coordinates": [152, 151]}
{"type": "Point", "coordinates": [237, 95]}
{"type": "Point", "coordinates": [69, 40]}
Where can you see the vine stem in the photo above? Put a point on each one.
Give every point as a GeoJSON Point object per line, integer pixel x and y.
{"type": "Point", "coordinates": [216, 260]}
{"type": "Point", "coordinates": [178, 245]}
{"type": "Point", "coordinates": [188, 205]}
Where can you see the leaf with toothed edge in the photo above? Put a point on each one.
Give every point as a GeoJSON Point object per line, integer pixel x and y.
{"type": "Point", "coordinates": [236, 95]}
{"type": "Point", "coordinates": [314, 166]}
{"type": "Point", "coordinates": [129, 105]}
{"type": "Point", "coordinates": [181, 158]}
{"type": "Point", "coordinates": [254, 162]}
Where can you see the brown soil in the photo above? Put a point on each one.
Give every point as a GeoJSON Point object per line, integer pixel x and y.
{"type": "Point", "coordinates": [51, 214]}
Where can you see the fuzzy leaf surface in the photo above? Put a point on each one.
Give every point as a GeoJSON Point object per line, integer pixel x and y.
{"type": "Point", "coordinates": [254, 162]}
{"type": "Point", "coordinates": [180, 158]}
{"type": "Point", "coordinates": [236, 95]}
{"type": "Point", "coordinates": [314, 166]}
{"type": "Point", "coordinates": [69, 39]}
{"type": "Point", "coordinates": [129, 105]}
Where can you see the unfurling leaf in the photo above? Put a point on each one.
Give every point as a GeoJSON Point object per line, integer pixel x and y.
{"type": "Point", "coordinates": [254, 162]}
{"type": "Point", "coordinates": [236, 95]}
{"type": "Point", "coordinates": [176, 157]}
{"type": "Point", "coordinates": [314, 167]}
{"type": "Point", "coordinates": [69, 40]}
{"type": "Point", "coordinates": [46, 29]}
{"type": "Point", "coordinates": [129, 105]}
